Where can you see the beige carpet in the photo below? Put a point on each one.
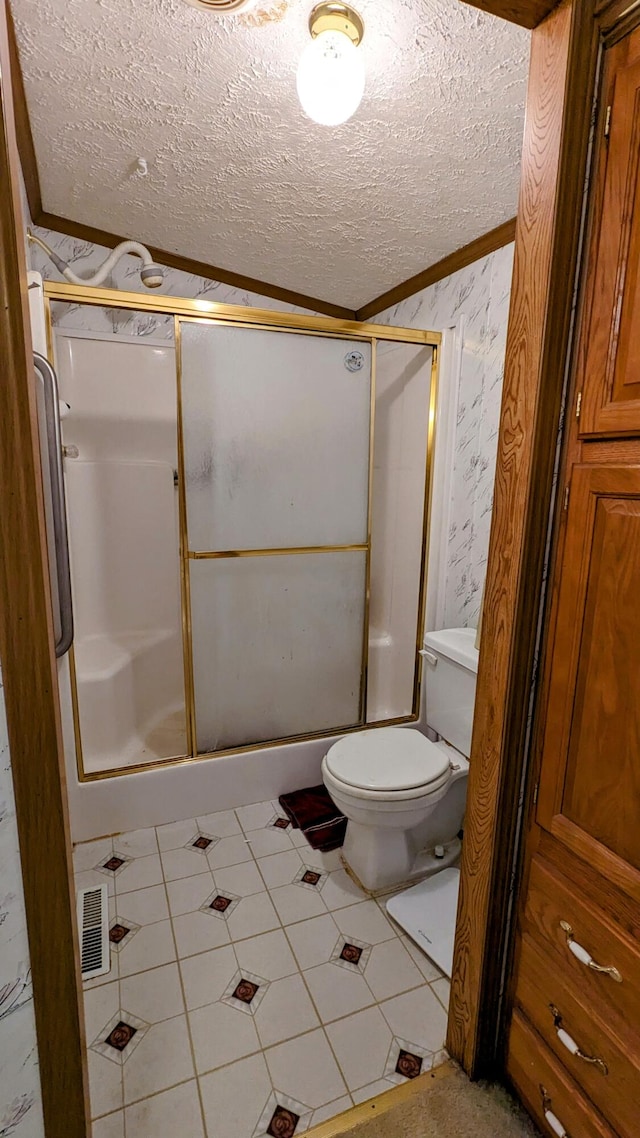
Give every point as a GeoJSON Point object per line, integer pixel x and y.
{"type": "Point", "coordinates": [442, 1107]}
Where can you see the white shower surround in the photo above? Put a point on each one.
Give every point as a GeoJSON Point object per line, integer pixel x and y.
{"type": "Point", "coordinates": [122, 501]}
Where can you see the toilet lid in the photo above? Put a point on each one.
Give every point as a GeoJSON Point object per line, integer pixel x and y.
{"type": "Point", "coordinates": [386, 758]}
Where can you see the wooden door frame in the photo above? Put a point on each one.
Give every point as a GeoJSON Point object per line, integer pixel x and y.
{"type": "Point", "coordinates": [30, 678]}
{"type": "Point", "coordinates": [565, 54]}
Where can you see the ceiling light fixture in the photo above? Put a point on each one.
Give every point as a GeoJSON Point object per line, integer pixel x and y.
{"type": "Point", "coordinates": [330, 77]}
{"type": "Point", "coordinates": [222, 6]}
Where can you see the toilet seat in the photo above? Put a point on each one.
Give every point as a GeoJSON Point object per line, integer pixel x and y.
{"type": "Point", "coordinates": [388, 761]}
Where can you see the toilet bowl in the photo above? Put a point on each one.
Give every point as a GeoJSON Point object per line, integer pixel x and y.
{"type": "Point", "coordinates": [404, 795]}
{"type": "Point", "coordinates": [388, 782]}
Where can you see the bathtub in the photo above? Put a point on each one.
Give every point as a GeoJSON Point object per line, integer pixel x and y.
{"type": "Point", "coordinates": [192, 787]}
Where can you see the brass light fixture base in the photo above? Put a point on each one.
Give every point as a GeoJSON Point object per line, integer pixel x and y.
{"type": "Point", "coordinates": [332, 16]}
{"type": "Point", "coordinates": [220, 6]}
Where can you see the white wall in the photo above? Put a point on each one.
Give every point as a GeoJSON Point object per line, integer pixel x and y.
{"type": "Point", "coordinates": [476, 300]}
{"type": "Point", "coordinates": [20, 1104]}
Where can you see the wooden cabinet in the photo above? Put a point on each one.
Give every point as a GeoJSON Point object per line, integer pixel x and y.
{"type": "Point", "coordinates": [575, 1034]}
{"type": "Point", "coordinates": [590, 778]}
{"type": "Point", "coordinates": [568, 929]}
{"type": "Point", "coordinates": [609, 377]}
{"type": "Point", "coordinates": [581, 1037]}
{"type": "Point", "coordinates": [547, 1088]}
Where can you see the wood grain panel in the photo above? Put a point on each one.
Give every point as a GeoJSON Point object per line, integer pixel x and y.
{"type": "Point", "coordinates": [24, 136]}
{"type": "Point", "coordinates": [30, 682]}
{"type": "Point", "coordinates": [602, 793]}
{"type": "Point", "coordinates": [533, 1068]}
{"type": "Point", "coordinates": [562, 71]}
{"type": "Point", "coordinates": [527, 13]}
{"type": "Point", "coordinates": [551, 1001]}
{"type": "Point", "coordinates": [590, 773]}
{"type": "Point", "coordinates": [613, 868]}
{"type": "Point", "coordinates": [600, 891]}
{"type": "Point", "coordinates": [609, 375]}
{"type": "Point", "coordinates": [552, 898]}
{"type": "Point", "coordinates": [481, 247]}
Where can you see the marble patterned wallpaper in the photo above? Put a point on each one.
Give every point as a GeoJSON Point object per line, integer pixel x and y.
{"type": "Point", "coordinates": [85, 257]}
{"type": "Point", "coordinates": [480, 295]}
{"type": "Point", "coordinates": [20, 1106]}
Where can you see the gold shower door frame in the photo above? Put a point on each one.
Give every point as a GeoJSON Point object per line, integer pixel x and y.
{"type": "Point", "coordinates": [207, 312]}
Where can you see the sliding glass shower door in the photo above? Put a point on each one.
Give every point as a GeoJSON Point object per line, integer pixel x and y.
{"type": "Point", "coordinates": [276, 439]}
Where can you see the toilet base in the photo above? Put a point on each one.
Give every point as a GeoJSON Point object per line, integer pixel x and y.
{"type": "Point", "coordinates": [385, 880]}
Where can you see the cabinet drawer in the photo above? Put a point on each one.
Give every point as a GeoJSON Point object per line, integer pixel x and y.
{"type": "Point", "coordinates": [550, 901]}
{"type": "Point", "coordinates": [535, 1072]}
{"type": "Point", "coordinates": [553, 1005]}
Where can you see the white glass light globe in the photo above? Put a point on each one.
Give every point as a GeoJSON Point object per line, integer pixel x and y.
{"type": "Point", "coordinates": [330, 78]}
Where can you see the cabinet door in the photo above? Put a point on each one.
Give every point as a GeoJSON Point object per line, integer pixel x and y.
{"type": "Point", "coordinates": [611, 353]}
{"type": "Point", "coordinates": [589, 795]}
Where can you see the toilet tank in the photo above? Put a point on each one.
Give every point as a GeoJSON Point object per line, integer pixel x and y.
{"type": "Point", "coordinates": [449, 680]}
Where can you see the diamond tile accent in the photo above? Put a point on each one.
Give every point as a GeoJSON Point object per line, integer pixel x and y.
{"type": "Point", "coordinates": [282, 1117]}
{"type": "Point", "coordinates": [113, 865]}
{"type": "Point", "coordinates": [310, 878]}
{"type": "Point", "coordinates": [406, 1061]}
{"type": "Point", "coordinates": [408, 1064]}
{"type": "Point", "coordinates": [245, 992]}
{"type": "Point", "coordinates": [120, 1037]}
{"type": "Point", "coordinates": [351, 954]}
{"type": "Point", "coordinates": [279, 823]}
{"type": "Point", "coordinates": [202, 843]}
{"type": "Point", "coordinates": [122, 932]}
{"type": "Point", "coordinates": [220, 905]}
{"type": "Point", "coordinates": [283, 1123]}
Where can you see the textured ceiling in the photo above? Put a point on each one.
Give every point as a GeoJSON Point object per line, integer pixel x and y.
{"type": "Point", "coordinates": [238, 176]}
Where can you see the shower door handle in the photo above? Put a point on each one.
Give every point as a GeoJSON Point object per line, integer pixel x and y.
{"type": "Point", "coordinates": [59, 538]}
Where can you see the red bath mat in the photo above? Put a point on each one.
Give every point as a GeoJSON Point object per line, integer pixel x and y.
{"type": "Point", "coordinates": [313, 811]}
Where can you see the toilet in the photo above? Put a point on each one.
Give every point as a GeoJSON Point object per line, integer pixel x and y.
{"type": "Point", "coordinates": [402, 793]}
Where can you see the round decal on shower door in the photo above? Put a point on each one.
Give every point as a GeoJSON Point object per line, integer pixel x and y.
{"type": "Point", "coordinates": [354, 361]}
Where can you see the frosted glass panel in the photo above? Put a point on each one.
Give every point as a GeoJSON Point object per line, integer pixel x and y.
{"type": "Point", "coordinates": [403, 388]}
{"type": "Point", "coordinates": [277, 645]}
{"type": "Point", "coordinates": [276, 438]}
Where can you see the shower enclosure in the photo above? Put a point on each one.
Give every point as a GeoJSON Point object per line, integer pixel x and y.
{"type": "Point", "coordinates": [247, 496]}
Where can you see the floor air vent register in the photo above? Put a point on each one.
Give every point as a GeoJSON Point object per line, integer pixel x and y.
{"type": "Point", "coordinates": [93, 930]}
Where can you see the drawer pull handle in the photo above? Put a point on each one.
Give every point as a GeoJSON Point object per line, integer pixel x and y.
{"type": "Point", "coordinates": [585, 957]}
{"type": "Point", "coordinates": [552, 1119]}
{"type": "Point", "coordinates": [572, 1047]}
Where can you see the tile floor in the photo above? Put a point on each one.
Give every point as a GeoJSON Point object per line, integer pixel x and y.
{"type": "Point", "coordinates": [253, 990]}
